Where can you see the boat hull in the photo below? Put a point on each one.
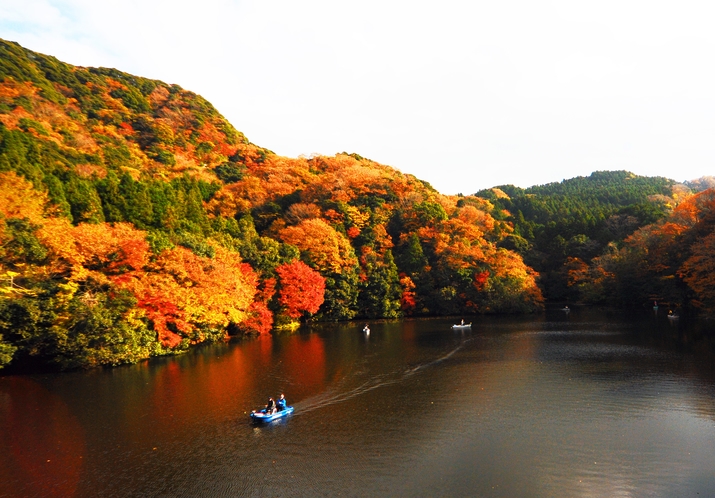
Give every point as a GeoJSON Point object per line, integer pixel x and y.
{"type": "Point", "coordinates": [263, 417]}
{"type": "Point", "coordinates": [462, 327]}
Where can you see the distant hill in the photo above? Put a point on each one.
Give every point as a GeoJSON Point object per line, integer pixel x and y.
{"type": "Point", "coordinates": [577, 218]}
{"type": "Point", "coordinates": [700, 184]}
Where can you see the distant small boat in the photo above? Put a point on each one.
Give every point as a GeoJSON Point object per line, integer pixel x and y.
{"type": "Point", "coordinates": [673, 316]}
{"type": "Point", "coordinates": [566, 309]}
{"type": "Point", "coordinates": [462, 326]}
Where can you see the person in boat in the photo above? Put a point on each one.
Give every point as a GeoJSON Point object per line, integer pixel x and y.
{"type": "Point", "coordinates": [281, 403]}
{"type": "Point", "coordinates": [366, 329]}
{"type": "Point", "coordinates": [270, 407]}
{"type": "Point", "coordinates": [462, 321]}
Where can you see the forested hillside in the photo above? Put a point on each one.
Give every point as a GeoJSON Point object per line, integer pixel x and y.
{"type": "Point", "coordinates": [136, 221]}
{"type": "Point", "coordinates": [615, 238]}
{"type": "Point", "coordinates": [671, 262]}
{"type": "Point", "coordinates": [577, 218]}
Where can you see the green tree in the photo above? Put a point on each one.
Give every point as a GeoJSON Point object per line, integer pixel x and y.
{"type": "Point", "coordinates": [85, 203]}
{"type": "Point", "coordinates": [411, 257]}
{"type": "Point", "coordinates": [380, 293]}
{"type": "Point", "coordinates": [113, 204]}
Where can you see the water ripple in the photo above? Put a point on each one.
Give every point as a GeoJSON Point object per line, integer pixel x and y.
{"type": "Point", "coordinates": [339, 393]}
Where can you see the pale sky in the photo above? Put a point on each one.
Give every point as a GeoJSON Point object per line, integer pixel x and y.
{"type": "Point", "coordinates": [463, 94]}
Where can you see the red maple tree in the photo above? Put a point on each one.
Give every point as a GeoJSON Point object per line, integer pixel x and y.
{"type": "Point", "coordinates": [302, 289]}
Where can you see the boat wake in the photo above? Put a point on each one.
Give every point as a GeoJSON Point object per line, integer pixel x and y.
{"type": "Point", "coordinates": [339, 393]}
{"type": "Point", "coordinates": [434, 362]}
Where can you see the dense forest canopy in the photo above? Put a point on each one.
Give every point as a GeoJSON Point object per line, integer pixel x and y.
{"type": "Point", "coordinates": [136, 221]}
{"type": "Point", "coordinates": [614, 238]}
{"type": "Point", "coordinates": [577, 218]}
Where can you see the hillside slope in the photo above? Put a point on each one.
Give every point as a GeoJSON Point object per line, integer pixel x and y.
{"type": "Point", "coordinates": [135, 221]}
{"type": "Point", "coordinates": [558, 226]}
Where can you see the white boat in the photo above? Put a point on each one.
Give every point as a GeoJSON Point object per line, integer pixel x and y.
{"type": "Point", "coordinates": [462, 326]}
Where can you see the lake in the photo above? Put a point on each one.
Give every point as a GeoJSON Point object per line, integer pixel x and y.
{"type": "Point", "coordinates": [590, 403]}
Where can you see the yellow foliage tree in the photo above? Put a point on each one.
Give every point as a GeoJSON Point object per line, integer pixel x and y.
{"type": "Point", "coordinates": [324, 247]}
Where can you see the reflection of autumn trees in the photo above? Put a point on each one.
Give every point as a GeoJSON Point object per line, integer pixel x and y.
{"type": "Point", "coordinates": [34, 438]}
{"type": "Point", "coordinates": [307, 356]}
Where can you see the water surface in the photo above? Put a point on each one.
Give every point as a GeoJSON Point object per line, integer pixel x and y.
{"type": "Point", "coordinates": [585, 404]}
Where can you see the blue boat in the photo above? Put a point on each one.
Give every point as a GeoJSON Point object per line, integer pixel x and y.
{"type": "Point", "coordinates": [262, 416]}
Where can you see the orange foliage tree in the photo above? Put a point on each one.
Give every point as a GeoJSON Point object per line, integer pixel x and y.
{"type": "Point", "coordinates": [302, 289]}
{"type": "Point", "coordinates": [188, 296]}
{"type": "Point", "coordinates": [698, 271]}
{"type": "Point", "coordinates": [323, 247]}
{"type": "Point", "coordinates": [670, 259]}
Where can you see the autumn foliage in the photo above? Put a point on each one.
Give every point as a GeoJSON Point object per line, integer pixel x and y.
{"type": "Point", "coordinates": [301, 289]}
{"type": "Point", "coordinates": [670, 261]}
{"type": "Point", "coordinates": [136, 221]}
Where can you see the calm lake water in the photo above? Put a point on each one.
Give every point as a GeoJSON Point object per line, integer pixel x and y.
{"type": "Point", "coordinates": [592, 403]}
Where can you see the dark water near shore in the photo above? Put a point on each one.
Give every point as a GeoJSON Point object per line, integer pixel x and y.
{"type": "Point", "coordinates": [592, 403]}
